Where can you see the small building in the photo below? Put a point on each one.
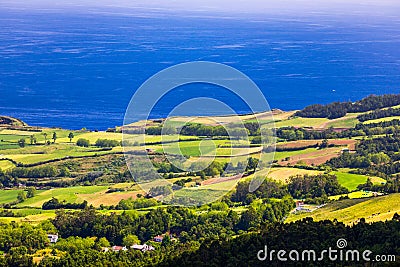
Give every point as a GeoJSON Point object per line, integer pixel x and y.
{"type": "Point", "coordinates": [118, 248]}
{"type": "Point", "coordinates": [52, 238]}
{"type": "Point", "coordinates": [299, 203]}
{"type": "Point", "coordinates": [143, 248]}
{"type": "Point", "coordinates": [345, 150]}
{"type": "Point", "coordinates": [158, 238]}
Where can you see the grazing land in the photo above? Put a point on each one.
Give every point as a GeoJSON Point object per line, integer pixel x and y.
{"type": "Point", "coordinates": [77, 183]}
{"type": "Point", "coordinates": [349, 211]}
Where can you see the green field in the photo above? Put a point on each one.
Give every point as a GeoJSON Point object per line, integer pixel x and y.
{"type": "Point", "coordinates": [282, 174]}
{"type": "Point", "coordinates": [6, 165]}
{"type": "Point", "coordinates": [35, 154]}
{"type": "Point", "coordinates": [351, 181]}
{"type": "Point", "coordinates": [382, 119]}
{"type": "Point", "coordinates": [206, 148]}
{"type": "Point", "coordinates": [94, 195]}
{"type": "Point", "coordinates": [69, 194]}
{"type": "Point", "coordinates": [353, 195]}
{"type": "Point", "coordinates": [7, 196]}
{"type": "Point", "coordinates": [284, 154]}
{"type": "Point", "coordinates": [301, 122]}
{"type": "Point", "coordinates": [348, 121]}
{"type": "Point", "coordinates": [350, 210]}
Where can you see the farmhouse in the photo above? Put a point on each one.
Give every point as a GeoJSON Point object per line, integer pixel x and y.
{"type": "Point", "coordinates": [118, 248]}
{"type": "Point", "coordinates": [52, 238]}
{"type": "Point", "coordinates": [299, 203]}
{"type": "Point", "coordinates": [142, 248]}
{"type": "Point", "coordinates": [158, 238]}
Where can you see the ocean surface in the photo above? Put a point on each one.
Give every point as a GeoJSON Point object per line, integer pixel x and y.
{"type": "Point", "coordinates": [79, 68]}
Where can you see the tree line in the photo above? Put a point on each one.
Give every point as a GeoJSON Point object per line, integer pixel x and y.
{"type": "Point", "coordinates": [378, 114]}
{"type": "Point", "coordinates": [340, 109]}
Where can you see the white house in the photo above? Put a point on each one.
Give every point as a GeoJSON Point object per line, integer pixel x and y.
{"type": "Point", "coordinates": [52, 238]}
{"type": "Point", "coordinates": [118, 248]}
{"type": "Point", "coordinates": [143, 248]}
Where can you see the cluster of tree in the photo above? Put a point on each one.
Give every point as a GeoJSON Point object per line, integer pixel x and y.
{"type": "Point", "coordinates": [268, 211]}
{"type": "Point", "coordinates": [387, 144]}
{"type": "Point", "coordinates": [379, 128]}
{"type": "Point", "coordinates": [340, 109]}
{"type": "Point", "coordinates": [294, 134]}
{"type": "Point", "coordinates": [6, 180]}
{"type": "Point", "coordinates": [182, 182]}
{"type": "Point", "coordinates": [54, 204]}
{"type": "Point", "coordinates": [374, 154]}
{"type": "Point", "coordinates": [391, 186]}
{"type": "Point", "coordinates": [166, 167]}
{"type": "Point", "coordinates": [197, 129]}
{"type": "Point", "coordinates": [139, 203]}
{"type": "Point", "coordinates": [220, 250]}
{"type": "Point", "coordinates": [379, 113]}
{"type": "Point", "coordinates": [107, 143]}
{"type": "Point", "coordinates": [160, 190]}
{"type": "Point", "coordinates": [186, 223]}
{"type": "Point", "coordinates": [305, 234]}
{"type": "Point", "coordinates": [39, 172]}
{"type": "Point", "coordinates": [347, 160]}
{"type": "Point", "coordinates": [268, 189]}
{"type": "Point", "coordinates": [13, 235]}
{"type": "Point", "coordinates": [83, 142]}
{"type": "Point", "coordinates": [7, 213]}
{"type": "Point", "coordinates": [315, 186]}
{"type": "Point", "coordinates": [162, 129]}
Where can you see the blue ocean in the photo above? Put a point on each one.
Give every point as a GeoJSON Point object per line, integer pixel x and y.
{"type": "Point", "coordinates": [80, 68]}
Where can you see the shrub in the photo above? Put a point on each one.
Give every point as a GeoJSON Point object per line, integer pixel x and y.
{"type": "Point", "coordinates": [83, 142]}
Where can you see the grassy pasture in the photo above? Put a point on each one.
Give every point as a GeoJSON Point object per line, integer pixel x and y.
{"type": "Point", "coordinates": [94, 195]}
{"type": "Point", "coordinates": [351, 210]}
{"type": "Point", "coordinates": [351, 181]}
{"type": "Point", "coordinates": [35, 154]}
{"type": "Point", "coordinates": [91, 136]}
{"type": "Point", "coordinates": [382, 119]}
{"type": "Point", "coordinates": [353, 195]}
{"type": "Point", "coordinates": [282, 174]}
{"type": "Point", "coordinates": [301, 122]}
{"type": "Point", "coordinates": [349, 121]}
{"type": "Point", "coordinates": [6, 165]}
{"type": "Point", "coordinates": [69, 194]}
{"type": "Point", "coordinates": [284, 154]}
{"type": "Point", "coordinates": [206, 148]}
{"type": "Point", "coordinates": [7, 196]}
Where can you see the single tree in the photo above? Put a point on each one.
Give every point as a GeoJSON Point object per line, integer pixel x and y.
{"type": "Point", "coordinates": [54, 137]}
{"type": "Point", "coordinates": [33, 140]}
{"type": "Point", "coordinates": [45, 138]}
{"type": "Point", "coordinates": [21, 142]}
{"type": "Point", "coordinates": [21, 196]}
{"type": "Point", "coordinates": [31, 192]}
{"type": "Point", "coordinates": [70, 136]}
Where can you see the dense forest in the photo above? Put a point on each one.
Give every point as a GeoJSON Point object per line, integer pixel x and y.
{"type": "Point", "coordinates": [340, 109]}
{"type": "Point", "coordinates": [378, 114]}
{"type": "Point", "coordinates": [382, 238]}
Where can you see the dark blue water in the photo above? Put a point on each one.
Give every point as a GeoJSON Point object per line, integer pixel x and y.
{"type": "Point", "coordinates": [80, 69]}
